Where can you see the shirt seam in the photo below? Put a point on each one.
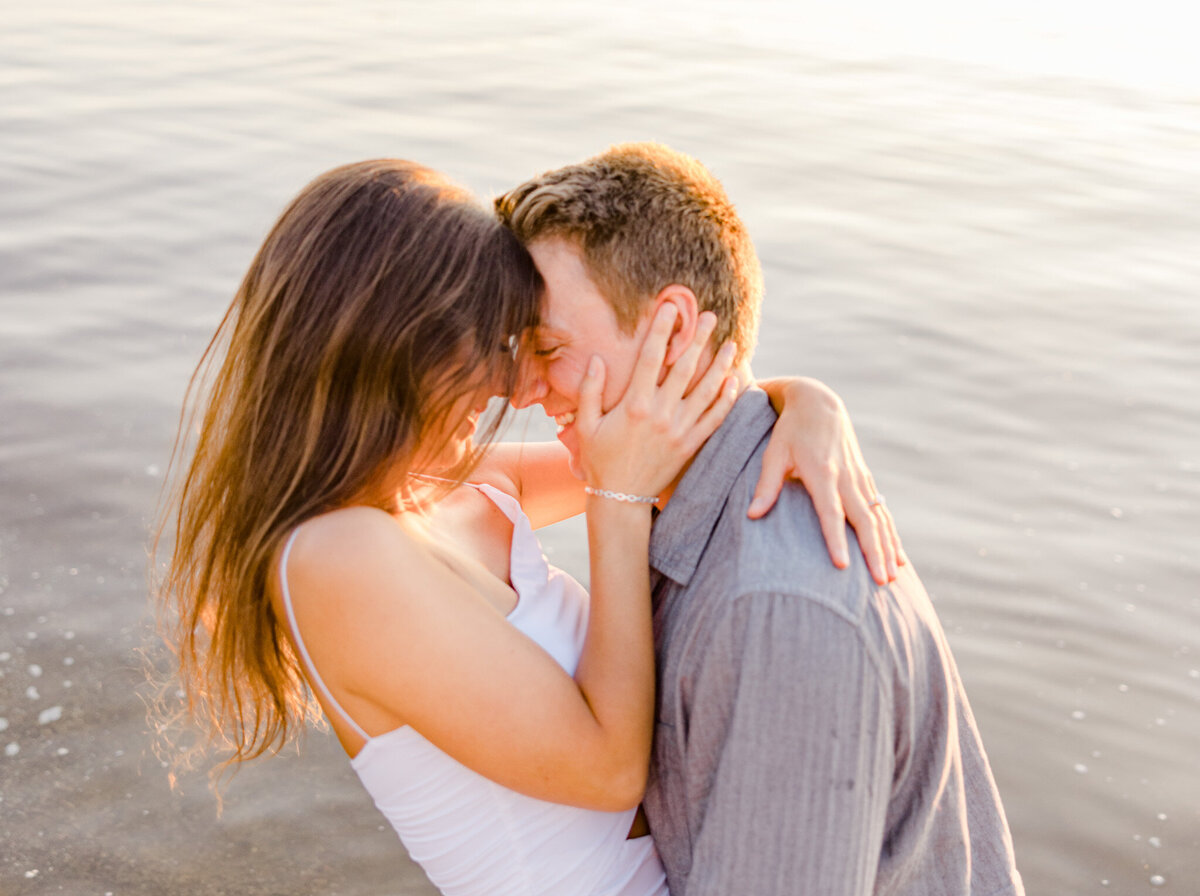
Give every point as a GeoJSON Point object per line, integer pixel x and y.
{"type": "Point", "coordinates": [838, 612]}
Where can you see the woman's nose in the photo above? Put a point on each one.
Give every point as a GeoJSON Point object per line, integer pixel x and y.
{"type": "Point", "coordinates": [531, 386]}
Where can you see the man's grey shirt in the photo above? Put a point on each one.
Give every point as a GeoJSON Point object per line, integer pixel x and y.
{"type": "Point", "coordinates": [812, 735]}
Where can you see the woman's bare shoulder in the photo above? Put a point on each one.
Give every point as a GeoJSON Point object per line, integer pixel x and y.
{"type": "Point", "coordinates": [353, 546]}
{"type": "Point", "coordinates": [346, 528]}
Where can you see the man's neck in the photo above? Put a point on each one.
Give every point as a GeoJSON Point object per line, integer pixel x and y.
{"type": "Point", "coordinates": [745, 380]}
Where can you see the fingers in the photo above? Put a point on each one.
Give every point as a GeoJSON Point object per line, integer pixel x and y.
{"type": "Point", "coordinates": [887, 525]}
{"type": "Point", "coordinates": [770, 483]}
{"type": "Point", "coordinates": [684, 368]}
{"type": "Point", "coordinates": [684, 422]}
{"type": "Point", "coordinates": [880, 517]}
{"type": "Point", "coordinates": [705, 407]}
{"type": "Point", "coordinates": [888, 539]}
{"type": "Point", "coordinates": [832, 516]}
{"type": "Point", "coordinates": [590, 392]}
{"type": "Point", "coordinates": [706, 391]}
{"type": "Point", "coordinates": [866, 528]}
{"type": "Point", "coordinates": [654, 351]}
{"type": "Point", "coordinates": [814, 442]}
{"type": "Point", "coordinates": [645, 438]}
{"type": "Point", "coordinates": [712, 417]}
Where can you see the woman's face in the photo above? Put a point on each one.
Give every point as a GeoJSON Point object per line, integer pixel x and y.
{"type": "Point", "coordinates": [457, 436]}
{"type": "Point", "coordinates": [452, 440]}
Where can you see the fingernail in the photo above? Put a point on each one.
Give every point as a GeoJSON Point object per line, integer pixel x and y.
{"type": "Point", "coordinates": [594, 366]}
{"type": "Point", "coordinates": [756, 506]}
{"type": "Point", "coordinates": [842, 558]}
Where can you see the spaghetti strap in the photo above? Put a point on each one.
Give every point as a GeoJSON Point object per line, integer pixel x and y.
{"type": "Point", "coordinates": [508, 505]}
{"type": "Point", "coordinates": [313, 674]}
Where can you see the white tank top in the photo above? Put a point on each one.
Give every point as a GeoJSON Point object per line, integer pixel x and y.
{"type": "Point", "coordinates": [472, 836]}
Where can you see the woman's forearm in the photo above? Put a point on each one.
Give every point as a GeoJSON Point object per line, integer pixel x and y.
{"type": "Point", "coordinates": [616, 670]}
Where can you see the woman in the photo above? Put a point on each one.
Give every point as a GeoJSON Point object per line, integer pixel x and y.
{"type": "Point", "coordinates": [324, 534]}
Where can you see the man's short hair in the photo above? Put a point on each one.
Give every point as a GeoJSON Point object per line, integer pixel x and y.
{"type": "Point", "coordinates": [644, 217]}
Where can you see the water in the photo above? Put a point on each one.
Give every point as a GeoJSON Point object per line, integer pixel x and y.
{"type": "Point", "coordinates": [980, 225]}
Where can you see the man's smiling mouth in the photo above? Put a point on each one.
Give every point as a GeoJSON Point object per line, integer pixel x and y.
{"type": "Point", "coordinates": [564, 420]}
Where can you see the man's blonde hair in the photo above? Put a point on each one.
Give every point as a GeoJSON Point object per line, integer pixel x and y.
{"type": "Point", "coordinates": [644, 217]}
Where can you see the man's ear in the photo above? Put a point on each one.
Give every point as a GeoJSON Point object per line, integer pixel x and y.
{"type": "Point", "coordinates": [687, 311]}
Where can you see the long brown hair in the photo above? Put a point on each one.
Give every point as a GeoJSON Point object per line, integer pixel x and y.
{"type": "Point", "coordinates": [383, 294]}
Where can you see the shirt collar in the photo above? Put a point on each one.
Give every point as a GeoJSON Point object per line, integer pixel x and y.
{"type": "Point", "coordinates": [682, 530]}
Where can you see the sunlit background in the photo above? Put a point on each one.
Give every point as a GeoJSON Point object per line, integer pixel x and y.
{"type": "Point", "coordinates": [979, 222]}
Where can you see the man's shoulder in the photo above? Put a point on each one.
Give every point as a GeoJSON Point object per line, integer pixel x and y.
{"type": "Point", "coordinates": [783, 553]}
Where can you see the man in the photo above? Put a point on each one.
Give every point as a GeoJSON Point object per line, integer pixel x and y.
{"type": "Point", "coordinates": [812, 734]}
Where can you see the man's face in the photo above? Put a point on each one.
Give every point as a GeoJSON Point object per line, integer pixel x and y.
{"type": "Point", "coordinates": [577, 322]}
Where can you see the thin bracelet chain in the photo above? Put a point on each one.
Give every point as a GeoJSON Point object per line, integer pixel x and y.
{"type": "Point", "coordinates": [620, 496]}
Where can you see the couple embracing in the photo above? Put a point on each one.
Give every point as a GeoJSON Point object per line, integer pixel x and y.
{"type": "Point", "coordinates": [346, 540]}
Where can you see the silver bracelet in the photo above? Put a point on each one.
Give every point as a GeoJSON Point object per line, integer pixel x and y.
{"type": "Point", "coordinates": [620, 496]}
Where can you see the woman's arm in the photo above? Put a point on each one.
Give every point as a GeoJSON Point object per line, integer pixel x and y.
{"type": "Point", "coordinates": [814, 442]}
{"type": "Point", "coordinates": [623, 453]}
{"type": "Point", "coordinates": [539, 475]}
{"type": "Point", "coordinates": [403, 640]}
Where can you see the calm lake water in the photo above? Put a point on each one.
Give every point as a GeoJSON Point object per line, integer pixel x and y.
{"type": "Point", "coordinates": [983, 232]}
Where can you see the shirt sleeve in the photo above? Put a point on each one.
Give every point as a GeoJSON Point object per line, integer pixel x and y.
{"type": "Point", "coordinates": [789, 753]}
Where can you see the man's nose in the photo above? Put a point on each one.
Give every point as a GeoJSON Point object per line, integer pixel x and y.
{"type": "Point", "coordinates": [530, 388]}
